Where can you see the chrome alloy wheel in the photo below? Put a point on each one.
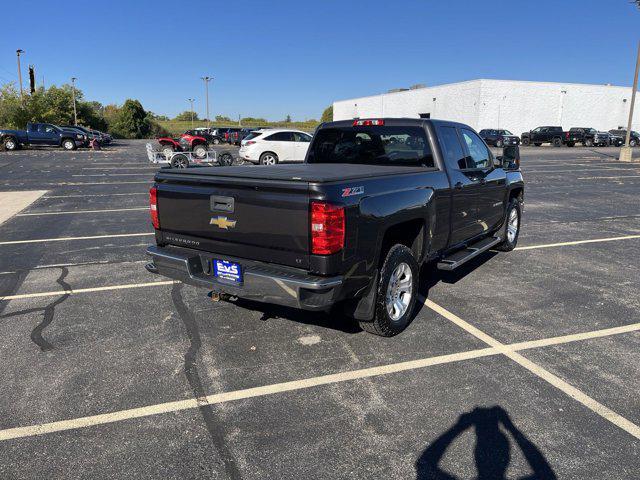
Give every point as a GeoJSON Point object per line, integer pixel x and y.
{"type": "Point", "coordinates": [268, 159]}
{"type": "Point", "coordinates": [399, 291]}
{"type": "Point", "coordinates": [512, 225]}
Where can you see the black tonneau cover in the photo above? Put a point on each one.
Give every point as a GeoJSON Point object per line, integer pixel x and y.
{"type": "Point", "coordinates": [303, 172]}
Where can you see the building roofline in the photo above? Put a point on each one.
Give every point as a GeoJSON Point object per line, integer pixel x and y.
{"type": "Point", "coordinates": [500, 80]}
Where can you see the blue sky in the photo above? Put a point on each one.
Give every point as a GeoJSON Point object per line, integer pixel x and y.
{"type": "Point", "coordinates": [279, 57]}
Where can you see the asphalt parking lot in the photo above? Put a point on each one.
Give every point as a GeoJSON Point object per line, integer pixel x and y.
{"type": "Point", "coordinates": [525, 363]}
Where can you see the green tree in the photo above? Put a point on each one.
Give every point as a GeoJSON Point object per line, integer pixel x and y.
{"type": "Point", "coordinates": [186, 116]}
{"type": "Point", "coordinates": [132, 121]}
{"type": "Point", "coordinates": [288, 119]}
{"type": "Point", "coordinates": [223, 119]}
{"type": "Point", "coordinates": [327, 115]}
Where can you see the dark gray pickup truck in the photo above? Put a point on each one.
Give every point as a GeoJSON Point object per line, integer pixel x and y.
{"type": "Point", "coordinates": [40, 135]}
{"type": "Point", "coordinates": [351, 226]}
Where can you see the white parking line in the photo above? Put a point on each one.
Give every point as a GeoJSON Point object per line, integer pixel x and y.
{"type": "Point", "coordinates": [578, 242]}
{"type": "Point", "coordinates": [111, 174]}
{"type": "Point", "coordinates": [539, 371]}
{"type": "Point", "coordinates": [73, 291]}
{"type": "Point", "coordinates": [580, 170]}
{"type": "Point", "coordinates": [64, 239]}
{"type": "Point", "coordinates": [295, 385]}
{"type": "Point", "coordinates": [609, 178]}
{"type": "Point", "coordinates": [97, 195]}
{"type": "Point", "coordinates": [82, 211]}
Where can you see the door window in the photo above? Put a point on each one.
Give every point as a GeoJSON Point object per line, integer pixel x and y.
{"type": "Point", "coordinates": [479, 156]}
{"type": "Point", "coordinates": [452, 149]}
{"type": "Point", "coordinates": [280, 137]}
{"type": "Point", "coordinates": [301, 137]}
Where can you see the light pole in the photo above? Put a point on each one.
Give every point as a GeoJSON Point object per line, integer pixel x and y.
{"type": "Point", "coordinates": [206, 89]}
{"type": "Point", "coordinates": [191, 100]}
{"type": "Point", "coordinates": [18, 52]}
{"type": "Point", "coordinates": [625, 152]}
{"type": "Point", "coordinates": [73, 92]}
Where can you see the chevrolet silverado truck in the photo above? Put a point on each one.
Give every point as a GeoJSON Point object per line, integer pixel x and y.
{"type": "Point", "coordinates": [42, 134]}
{"type": "Point", "coordinates": [351, 226]}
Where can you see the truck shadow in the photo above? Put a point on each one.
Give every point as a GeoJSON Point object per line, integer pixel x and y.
{"type": "Point", "coordinates": [495, 434]}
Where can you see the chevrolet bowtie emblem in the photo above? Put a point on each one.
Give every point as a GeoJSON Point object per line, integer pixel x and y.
{"type": "Point", "coordinates": [223, 222]}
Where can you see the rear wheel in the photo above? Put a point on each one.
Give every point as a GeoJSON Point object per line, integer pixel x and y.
{"type": "Point", "coordinates": [499, 143]}
{"type": "Point", "coordinates": [512, 230]}
{"type": "Point", "coordinates": [557, 142]}
{"type": "Point", "coordinates": [268, 158]}
{"type": "Point", "coordinates": [167, 150]}
{"type": "Point", "coordinates": [10, 144]}
{"type": "Point", "coordinates": [526, 141]}
{"type": "Point", "coordinates": [180, 160]}
{"type": "Point", "coordinates": [397, 292]}
{"type": "Point", "coordinates": [68, 144]}
{"type": "Point", "coordinates": [216, 141]}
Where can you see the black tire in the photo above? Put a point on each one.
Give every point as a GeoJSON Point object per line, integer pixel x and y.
{"type": "Point", "coordinates": [633, 143]}
{"type": "Point", "coordinates": [588, 142]}
{"type": "Point", "coordinates": [68, 144]}
{"type": "Point", "coordinates": [10, 144]}
{"type": "Point", "coordinates": [180, 160]}
{"type": "Point", "coordinates": [511, 240]}
{"type": "Point", "coordinates": [200, 151]}
{"type": "Point", "coordinates": [526, 141]}
{"type": "Point", "coordinates": [268, 158]}
{"type": "Point", "coordinates": [225, 159]}
{"type": "Point", "coordinates": [537, 144]}
{"type": "Point", "coordinates": [557, 142]}
{"type": "Point", "coordinates": [383, 324]}
{"type": "Point", "coordinates": [216, 141]}
{"type": "Point", "coordinates": [499, 144]}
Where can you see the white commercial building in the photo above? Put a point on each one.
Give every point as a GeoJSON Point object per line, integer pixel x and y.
{"type": "Point", "coordinates": [518, 106]}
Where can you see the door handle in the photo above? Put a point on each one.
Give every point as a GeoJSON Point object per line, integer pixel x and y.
{"type": "Point", "coordinates": [458, 186]}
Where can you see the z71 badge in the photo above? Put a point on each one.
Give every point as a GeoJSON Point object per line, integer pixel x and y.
{"type": "Point", "coordinates": [351, 191]}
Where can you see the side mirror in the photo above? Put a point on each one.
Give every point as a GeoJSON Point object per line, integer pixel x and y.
{"type": "Point", "coordinates": [510, 158]}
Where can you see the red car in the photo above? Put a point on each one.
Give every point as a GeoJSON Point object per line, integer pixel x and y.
{"type": "Point", "coordinates": [186, 143]}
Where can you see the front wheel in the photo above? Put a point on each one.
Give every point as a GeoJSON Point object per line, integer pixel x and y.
{"type": "Point", "coordinates": [512, 227]}
{"type": "Point", "coordinates": [10, 144]}
{"type": "Point", "coordinates": [557, 142]}
{"type": "Point", "coordinates": [397, 292]}
{"type": "Point", "coordinates": [225, 159]}
{"type": "Point", "coordinates": [526, 142]}
{"type": "Point", "coordinates": [588, 142]}
{"type": "Point", "coordinates": [632, 143]}
{"type": "Point", "coordinates": [68, 144]}
{"type": "Point", "coordinates": [268, 158]}
{"type": "Point", "coordinates": [200, 151]}
{"type": "Point", "coordinates": [499, 144]}
{"type": "Point", "coordinates": [167, 150]}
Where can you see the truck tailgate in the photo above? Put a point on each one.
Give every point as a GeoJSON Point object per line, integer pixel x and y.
{"type": "Point", "coordinates": [246, 218]}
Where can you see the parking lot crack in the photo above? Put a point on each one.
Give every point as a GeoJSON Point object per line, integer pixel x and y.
{"type": "Point", "coordinates": [214, 425]}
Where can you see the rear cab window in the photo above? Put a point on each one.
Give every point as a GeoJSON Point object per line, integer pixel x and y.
{"type": "Point", "coordinates": [372, 145]}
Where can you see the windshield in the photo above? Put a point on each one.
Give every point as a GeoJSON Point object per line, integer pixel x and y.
{"type": "Point", "coordinates": [506, 132]}
{"type": "Point", "coordinates": [405, 146]}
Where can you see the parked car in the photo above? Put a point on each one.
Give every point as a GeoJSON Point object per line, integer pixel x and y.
{"type": "Point", "coordinates": [211, 138]}
{"type": "Point", "coordinates": [87, 131]}
{"type": "Point", "coordinates": [585, 136]}
{"type": "Point", "coordinates": [499, 138]}
{"type": "Point", "coordinates": [634, 139]}
{"type": "Point", "coordinates": [271, 146]}
{"type": "Point", "coordinates": [75, 131]}
{"type": "Point", "coordinates": [42, 134]}
{"type": "Point", "coordinates": [540, 135]}
{"type": "Point", "coordinates": [185, 143]}
{"type": "Point", "coordinates": [350, 227]}
{"type": "Point", "coordinates": [615, 140]}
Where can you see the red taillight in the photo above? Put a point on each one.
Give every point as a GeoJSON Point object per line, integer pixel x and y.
{"type": "Point", "coordinates": [327, 228]}
{"type": "Point", "coordinates": [368, 123]}
{"type": "Point", "coordinates": [249, 142]}
{"type": "Point", "coordinates": [153, 207]}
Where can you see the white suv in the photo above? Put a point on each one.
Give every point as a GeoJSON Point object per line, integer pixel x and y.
{"type": "Point", "coordinates": [270, 146]}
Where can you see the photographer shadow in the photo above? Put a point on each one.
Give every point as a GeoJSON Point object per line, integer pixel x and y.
{"type": "Point", "coordinates": [492, 452]}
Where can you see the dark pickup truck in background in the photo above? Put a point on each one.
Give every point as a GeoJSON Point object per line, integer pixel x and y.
{"type": "Point", "coordinates": [42, 134]}
{"type": "Point", "coordinates": [540, 135]}
{"type": "Point", "coordinates": [588, 137]}
{"type": "Point", "coordinates": [634, 138]}
{"type": "Point", "coordinates": [496, 137]}
{"type": "Point", "coordinates": [350, 226]}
